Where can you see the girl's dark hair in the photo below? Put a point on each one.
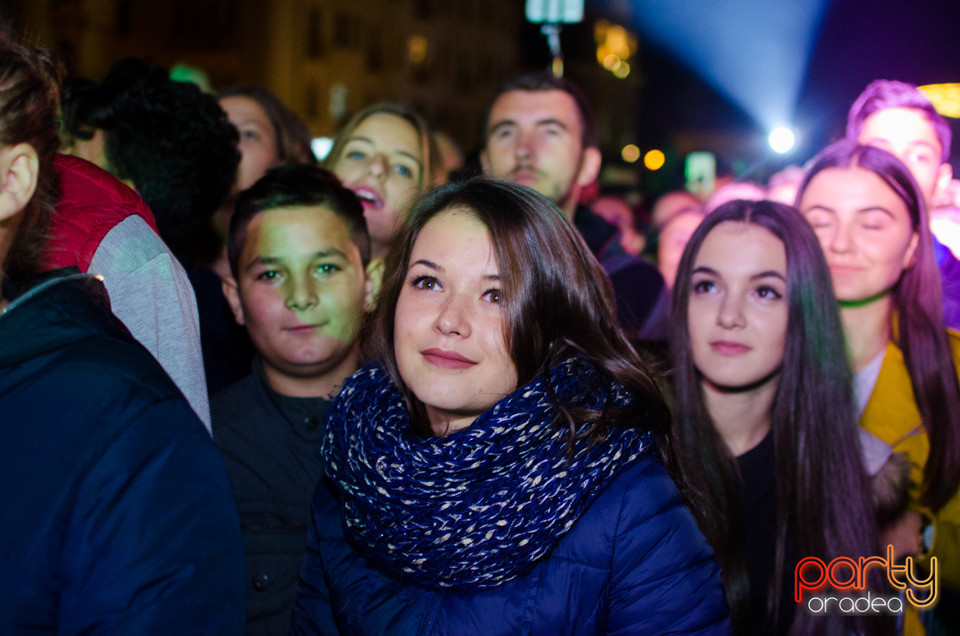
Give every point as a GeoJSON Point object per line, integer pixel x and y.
{"type": "Point", "coordinates": [557, 300]}
{"type": "Point", "coordinates": [918, 328]}
{"type": "Point", "coordinates": [292, 136]}
{"type": "Point", "coordinates": [29, 102]}
{"type": "Point", "coordinates": [432, 171]}
{"type": "Point", "coordinates": [821, 489]}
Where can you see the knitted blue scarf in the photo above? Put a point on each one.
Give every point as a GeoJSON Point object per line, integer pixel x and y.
{"type": "Point", "coordinates": [481, 505]}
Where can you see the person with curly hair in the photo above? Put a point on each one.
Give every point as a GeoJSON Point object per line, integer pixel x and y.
{"type": "Point", "coordinates": [175, 146]}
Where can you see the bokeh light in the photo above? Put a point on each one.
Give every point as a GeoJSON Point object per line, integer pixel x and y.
{"type": "Point", "coordinates": [615, 46]}
{"type": "Point", "coordinates": [417, 49]}
{"type": "Point", "coordinates": [654, 159]}
{"type": "Point", "coordinates": [630, 153]}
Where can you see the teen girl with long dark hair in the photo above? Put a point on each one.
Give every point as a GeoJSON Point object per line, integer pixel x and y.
{"type": "Point", "coordinates": [767, 441]}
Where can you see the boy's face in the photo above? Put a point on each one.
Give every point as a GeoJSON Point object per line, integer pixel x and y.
{"type": "Point", "coordinates": [301, 291]}
{"type": "Point", "coordinates": [907, 134]}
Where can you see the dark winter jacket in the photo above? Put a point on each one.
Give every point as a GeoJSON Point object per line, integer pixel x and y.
{"type": "Point", "coordinates": [634, 563]}
{"type": "Point", "coordinates": [115, 511]}
{"type": "Point", "coordinates": [642, 297]}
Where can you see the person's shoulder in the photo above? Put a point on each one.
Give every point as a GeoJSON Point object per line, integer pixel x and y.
{"type": "Point", "coordinates": [112, 374]}
{"type": "Point", "coordinates": [129, 245]}
{"type": "Point", "coordinates": [636, 494]}
{"type": "Point", "coordinates": [239, 389]}
{"type": "Point", "coordinates": [233, 404]}
{"type": "Point", "coordinates": [101, 390]}
{"type": "Point", "coordinates": [646, 480]}
{"type": "Point", "coordinates": [65, 343]}
{"type": "Point", "coordinates": [954, 338]}
{"type": "Point", "coordinates": [107, 353]}
{"type": "Point", "coordinates": [92, 203]}
{"type": "Point", "coordinates": [658, 556]}
{"type": "Point", "coordinates": [637, 269]}
{"type": "Point", "coordinates": [600, 235]}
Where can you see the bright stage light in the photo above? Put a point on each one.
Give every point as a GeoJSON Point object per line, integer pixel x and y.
{"type": "Point", "coordinates": [754, 52]}
{"type": "Point", "coordinates": [781, 139]}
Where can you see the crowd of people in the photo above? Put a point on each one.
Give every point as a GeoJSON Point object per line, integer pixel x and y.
{"type": "Point", "coordinates": [245, 391]}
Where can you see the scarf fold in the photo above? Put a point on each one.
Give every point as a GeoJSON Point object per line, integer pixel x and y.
{"type": "Point", "coordinates": [482, 505]}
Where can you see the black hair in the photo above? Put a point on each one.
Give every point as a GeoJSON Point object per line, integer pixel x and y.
{"type": "Point", "coordinates": [73, 98]}
{"type": "Point", "coordinates": [171, 140]}
{"type": "Point", "coordinates": [822, 491]}
{"type": "Point", "coordinates": [296, 185]}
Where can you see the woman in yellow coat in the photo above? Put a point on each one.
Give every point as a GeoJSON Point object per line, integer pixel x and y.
{"type": "Point", "coordinates": [870, 218]}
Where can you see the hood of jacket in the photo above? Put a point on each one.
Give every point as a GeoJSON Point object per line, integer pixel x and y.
{"type": "Point", "coordinates": [59, 308]}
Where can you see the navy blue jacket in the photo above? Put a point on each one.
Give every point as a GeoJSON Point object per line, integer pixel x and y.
{"type": "Point", "coordinates": [116, 515]}
{"type": "Point", "coordinates": [634, 563]}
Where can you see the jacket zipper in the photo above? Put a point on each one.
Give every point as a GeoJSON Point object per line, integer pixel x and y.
{"type": "Point", "coordinates": [429, 621]}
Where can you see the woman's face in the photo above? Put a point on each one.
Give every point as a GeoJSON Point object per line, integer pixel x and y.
{"type": "Point", "coordinates": [737, 313]}
{"type": "Point", "coordinates": [864, 228]}
{"type": "Point", "coordinates": [382, 163]}
{"type": "Point", "coordinates": [258, 139]}
{"type": "Point", "coordinates": [449, 337]}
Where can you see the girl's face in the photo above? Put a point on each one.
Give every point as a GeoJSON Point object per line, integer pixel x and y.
{"type": "Point", "coordinates": [382, 163]}
{"type": "Point", "coordinates": [864, 228]}
{"type": "Point", "coordinates": [737, 313]}
{"type": "Point", "coordinates": [258, 139]}
{"type": "Point", "coordinates": [449, 338]}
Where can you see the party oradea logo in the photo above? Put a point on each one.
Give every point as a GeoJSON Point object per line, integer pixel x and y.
{"type": "Point", "coordinates": [841, 585]}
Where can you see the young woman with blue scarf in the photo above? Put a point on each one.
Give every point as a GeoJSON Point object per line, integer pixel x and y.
{"type": "Point", "coordinates": [498, 471]}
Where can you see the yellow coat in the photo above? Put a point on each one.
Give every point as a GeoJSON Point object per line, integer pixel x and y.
{"type": "Point", "coordinates": [891, 414]}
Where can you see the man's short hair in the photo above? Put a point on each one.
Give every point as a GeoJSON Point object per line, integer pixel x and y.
{"type": "Point", "coordinates": [545, 81]}
{"type": "Point", "coordinates": [883, 94]}
{"type": "Point", "coordinates": [294, 186]}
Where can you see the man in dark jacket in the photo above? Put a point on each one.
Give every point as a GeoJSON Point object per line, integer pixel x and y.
{"type": "Point", "coordinates": [540, 133]}
{"type": "Point", "coordinates": [115, 510]}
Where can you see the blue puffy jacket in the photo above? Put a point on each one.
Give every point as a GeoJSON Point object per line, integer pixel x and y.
{"type": "Point", "coordinates": [634, 563]}
{"type": "Point", "coordinates": [116, 515]}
